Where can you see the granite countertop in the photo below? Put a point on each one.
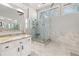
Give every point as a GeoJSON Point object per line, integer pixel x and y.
{"type": "Point", "coordinates": [9, 33]}
{"type": "Point", "coordinates": [12, 37]}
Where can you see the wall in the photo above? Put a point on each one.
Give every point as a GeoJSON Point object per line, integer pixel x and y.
{"type": "Point", "coordinates": [8, 12]}
{"type": "Point", "coordinates": [65, 23]}
{"type": "Point", "coordinates": [32, 12]}
{"type": "Point", "coordinates": [70, 40]}
{"type": "Point", "coordinates": [32, 17]}
{"type": "Point", "coordinates": [65, 29]}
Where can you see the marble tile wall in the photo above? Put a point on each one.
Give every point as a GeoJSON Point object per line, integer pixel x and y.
{"type": "Point", "coordinates": [70, 40]}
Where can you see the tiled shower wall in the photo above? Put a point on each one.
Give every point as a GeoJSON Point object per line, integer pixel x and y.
{"type": "Point", "coordinates": [69, 40]}
{"type": "Point", "coordinates": [65, 29]}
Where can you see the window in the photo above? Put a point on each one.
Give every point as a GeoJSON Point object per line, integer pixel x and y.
{"type": "Point", "coordinates": [71, 9]}
{"type": "Point", "coordinates": [49, 13]}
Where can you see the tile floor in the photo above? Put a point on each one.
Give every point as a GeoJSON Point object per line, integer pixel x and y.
{"type": "Point", "coordinates": [52, 49]}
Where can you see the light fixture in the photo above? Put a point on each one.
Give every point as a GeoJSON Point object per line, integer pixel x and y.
{"type": "Point", "coordinates": [6, 4]}
{"type": "Point", "coordinates": [52, 5]}
{"type": "Point", "coordinates": [20, 12]}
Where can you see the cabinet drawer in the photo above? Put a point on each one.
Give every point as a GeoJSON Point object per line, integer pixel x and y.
{"type": "Point", "coordinates": [9, 49]}
{"type": "Point", "coordinates": [25, 47]}
{"type": "Point", "coordinates": [24, 41]}
{"type": "Point", "coordinates": [17, 47]}
{"type": "Point", "coordinates": [7, 45]}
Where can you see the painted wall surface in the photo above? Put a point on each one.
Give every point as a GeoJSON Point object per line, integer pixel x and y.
{"type": "Point", "coordinates": [32, 20]}
{"type": "Point", "coordinates": [32, 13]}
{"type": "Point", "coordinates": [8, 12]}
{"type": "Point", "coordinates": [65, 23]}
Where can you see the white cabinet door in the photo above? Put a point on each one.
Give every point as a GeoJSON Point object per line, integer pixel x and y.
{"type": "Point", "coordinates": [29, 45]}
{"type": "Point", "coordinates": [25, 47]}
{"type": "Point", "coordinates": [0, 49]}
{"type": "Point", "coordinates": [20, 47]}
{"type": "Point", "coordinates": [9, 49]}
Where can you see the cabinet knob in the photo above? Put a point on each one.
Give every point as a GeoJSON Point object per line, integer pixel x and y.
{"type": "Point", "coordinates": [18, 49]}
{"type": "Point", "coordinates": [7, 47]}
{"type": "Point", "coordinates": [22, 47]}
{"type": "Point", "coordinates": [20, 42]}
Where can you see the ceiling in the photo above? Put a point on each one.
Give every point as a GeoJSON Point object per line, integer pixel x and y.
{"type": "Point", "coordinates": [35, 6]}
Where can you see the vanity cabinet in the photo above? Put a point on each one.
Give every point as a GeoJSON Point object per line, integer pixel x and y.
{"type": "Point", "coordinates": [19, 47]}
